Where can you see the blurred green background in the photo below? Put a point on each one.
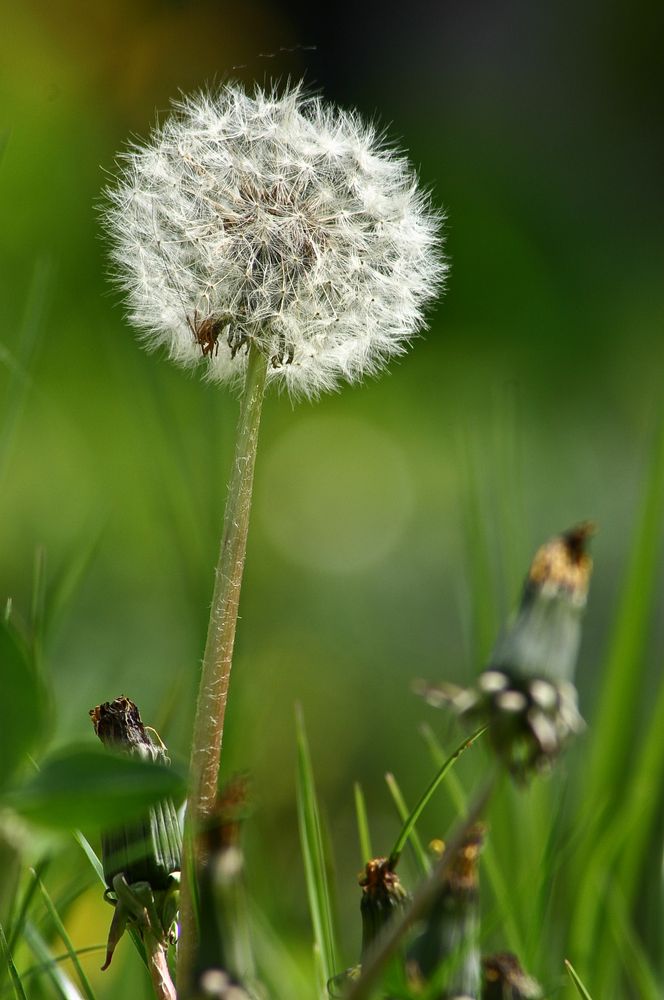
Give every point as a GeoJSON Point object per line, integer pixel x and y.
{"type": "Point", "coordinates": [393, 522]}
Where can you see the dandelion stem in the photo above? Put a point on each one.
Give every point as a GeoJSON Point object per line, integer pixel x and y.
{"type": "Point", "coordinates": [217, 660]}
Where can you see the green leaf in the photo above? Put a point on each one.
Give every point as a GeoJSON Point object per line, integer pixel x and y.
{"type": "Point", "coordinates": [574, 976]}
{"type": "Point", "coordinates": [85, 787]}
{"type": "Point", "coordinates": [22, 705]}
{"type": "Point", "coordinates": [314, 859]}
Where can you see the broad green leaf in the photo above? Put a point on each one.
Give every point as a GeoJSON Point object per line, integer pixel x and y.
{"type": "Point", "coordinates": [22, 705]}
{"type": "Point", "coordinates": [613, 737]}
{"type": "Point", "coordinates": [85, 787]}
{"type": "Point", "coordinates": [19, 992]}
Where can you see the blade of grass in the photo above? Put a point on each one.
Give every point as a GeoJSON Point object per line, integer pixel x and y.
{"type": "Point", "coordinates": [630, 950]}
{"type": "Point", "coordinates": [423, 862]}
{"type": "Point", "coordinates": [87, 849]}
{"type": "Point", "coordinates": [28, 897]}
{"type": "Point", "coordinates": [64, 936]}
{"type": "Point", "coordinates": [363, 834]}
{"type": "Point", "coordinates": [7, 955]}
{"type": "Point", "coordinates": [642, 796]}
{"type": "Point", "coordinates": [613, 739]}
{"type": "Point", "coordinates": [279, 972]}
{"type": "Point", "coordinates": [314, 858]}
{"type": "Point", "coordinates": [428, 793]}
{"type": "Point", "coordinates": [582, 991]}
{"type": "Point", "coordinates": [62, 984]}
{"type": "Point", "coordinates": [35, 970]}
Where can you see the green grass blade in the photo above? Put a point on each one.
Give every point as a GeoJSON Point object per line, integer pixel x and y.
{"type": "Point", "coordinates": [39, 967]}
{"type": "Point", "coordinates": [642, 797]}
{"type": "Point", "coordinates": [90, 854]}
{"type": "Point", "coordinates": [5, 951]}
{"type": "Point", "coordinates": [66, 940]}
{"type": "Point", "coordinates": [279, 972]}
{"type": "Point", "coordinates": [314, 859]}
{"type": "Point", "coordinates": [581, 989]}
{"type": "Point", "coordinates": [423, 861]}
{"type": "Point", "coordinates": [62, 984]}
{"type": "Point", "coordinates": [630, 950]}
{"type": "Point", "coordinates": [428, 793]}
{"type": "Point", "coordinates": [28, 897]}
{"type": "Point", "coordinates": [363, 834]}
{"type": "Point", "coordinates": [613, 738]}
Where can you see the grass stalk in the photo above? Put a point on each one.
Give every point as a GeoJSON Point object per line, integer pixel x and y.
{"type": "Point", "coordinates": [217, 659]}
{"type": "Point", "coordinates": [428, 793]}
{"type": "Point", "coordinates": [363, 834]}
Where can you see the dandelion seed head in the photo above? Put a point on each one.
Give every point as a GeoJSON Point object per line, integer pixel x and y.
{"type": "Point", "coordinates": [284, 222]}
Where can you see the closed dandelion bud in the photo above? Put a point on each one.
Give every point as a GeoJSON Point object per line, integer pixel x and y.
{"type": "Point", "coordinates": [447, 951]}
{"type": "Point", "coordinates": [526, 696]}
{"type": "Point", "coordinates": [382, 897]}
{"type": "Point", "coordinates": [279, 222]}
{"type": "Point", "coordinates": [141, 858]}
{"type": "Point", "coordinates": [504, 979]}
{"type": "Point", "coordinates": [146, 849]}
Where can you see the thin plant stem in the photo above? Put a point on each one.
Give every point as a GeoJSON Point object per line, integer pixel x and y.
{"type": "Point", "coordinates": [160, 975]}
{"type": "Point", "coordinates": [215, 676]}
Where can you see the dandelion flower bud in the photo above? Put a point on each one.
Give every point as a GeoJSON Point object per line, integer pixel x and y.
{"type": "Point", "coordinates": [278, 221]}
{"type": "Point", "coordinates": [449, 942]}
{"type": "Point", "coordinates": [526, 696]}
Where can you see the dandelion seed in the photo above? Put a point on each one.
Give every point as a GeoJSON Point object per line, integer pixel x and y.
{"type": "Point", "coordinates": [279, 221]}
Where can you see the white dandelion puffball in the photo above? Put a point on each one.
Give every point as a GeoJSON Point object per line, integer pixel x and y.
{"type": "Point", "coordinates": [278, 221]}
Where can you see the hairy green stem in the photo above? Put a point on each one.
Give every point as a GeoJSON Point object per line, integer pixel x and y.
{"type": "Point", "coordinates": [215, 676]}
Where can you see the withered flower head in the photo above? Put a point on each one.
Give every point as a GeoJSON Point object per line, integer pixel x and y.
{"type": "Point", "coordinates": [526, 695]}
{"type": "Point", "coordinates": [504, 979]}
{"type": "Point", "coordinates": [382, 896]}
